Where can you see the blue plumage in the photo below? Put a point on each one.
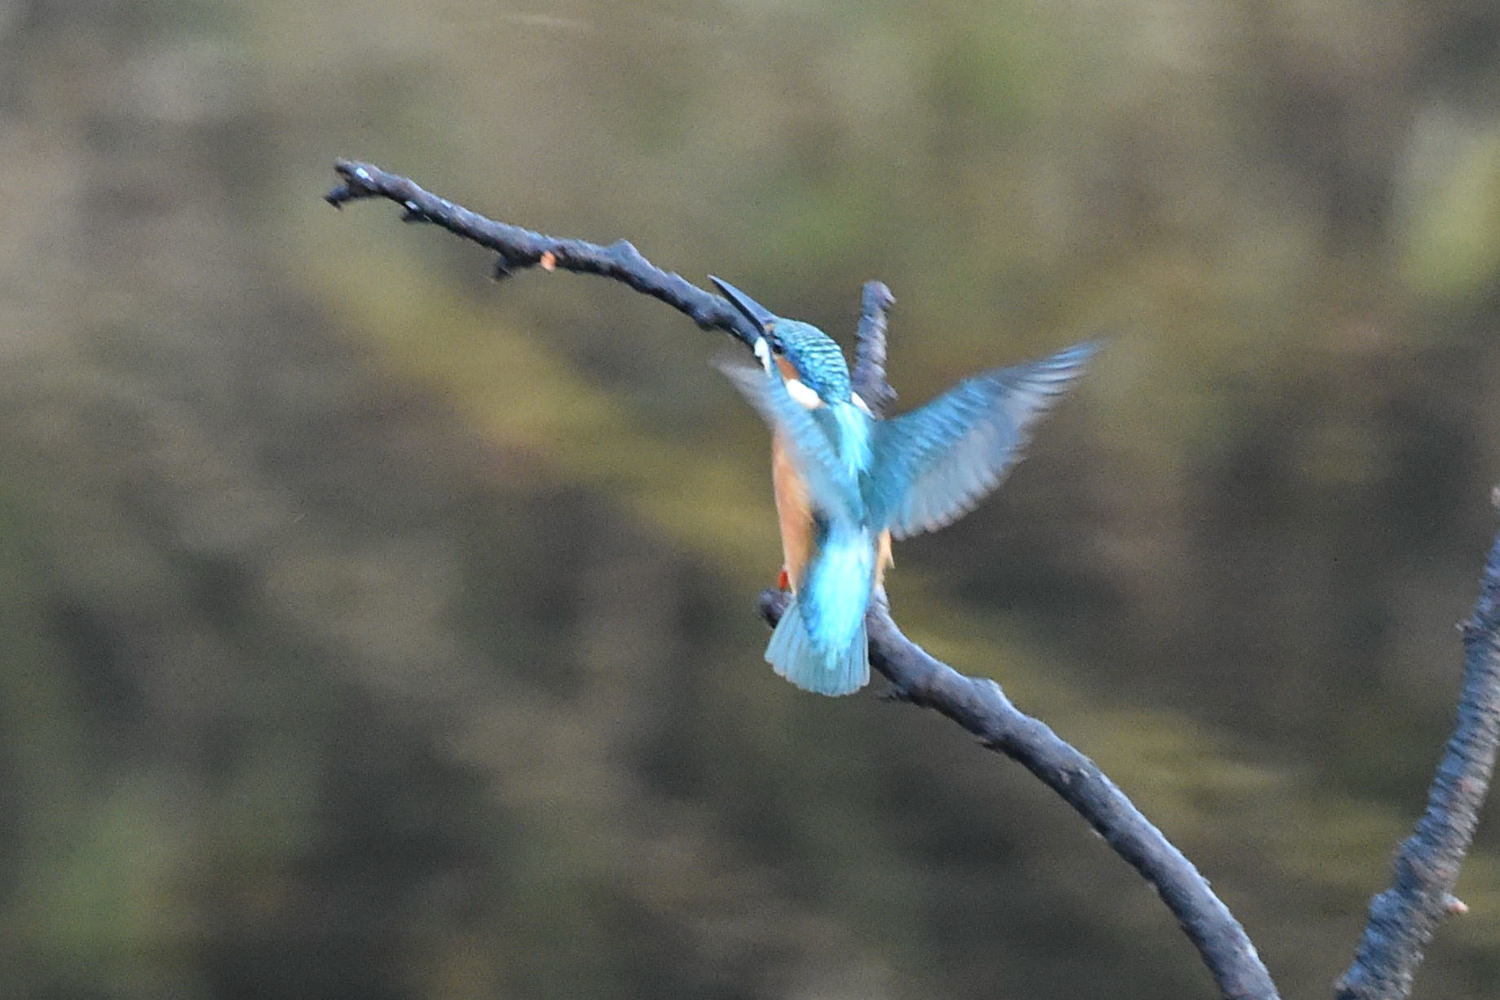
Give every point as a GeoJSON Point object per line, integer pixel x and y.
{"type": "Point", "coordinates": [931, 466]}
{"type": "Point", "coordinates": [817, 358]}
{"type": "Point", "coordinates": [793, 656]}
{"type": "Point", "coordinates": [863, 477]}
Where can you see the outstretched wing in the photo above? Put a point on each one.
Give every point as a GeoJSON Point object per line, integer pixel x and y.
{"type": "Point", "coordinates": [829, 484]}
{"type": "Point", "coordinates": [934, 464]}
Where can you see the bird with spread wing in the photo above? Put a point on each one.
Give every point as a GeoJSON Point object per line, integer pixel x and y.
{"type": "Point", "coordinates": [847, 482]}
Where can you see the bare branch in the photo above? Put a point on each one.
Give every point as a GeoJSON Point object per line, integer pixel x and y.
{"type": "Point", "coordinates": [980, 706]}
{"type": "Point", "coordinates": [869, 348]}
{"type": "Point", "coordinates": [521, 248]}
{"type": "Point", "coordinates": [1404, 917]}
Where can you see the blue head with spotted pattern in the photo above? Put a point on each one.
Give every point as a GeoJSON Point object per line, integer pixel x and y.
{"type": "Point", "coordinates": [816, 358]}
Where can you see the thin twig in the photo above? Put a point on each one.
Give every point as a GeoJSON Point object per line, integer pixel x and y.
{"type": "Point", "coordinates": [868, 376]}
{"type": "Point", "coordinates": [978, 705]}
{"type": "Point", "coordinates": [1404, 917]}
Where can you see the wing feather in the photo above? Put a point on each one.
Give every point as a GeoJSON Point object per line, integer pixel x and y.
{"type": "Point", "coordinates": [931, 466]}
{"type": "Point", "coordinates": [830, 486]}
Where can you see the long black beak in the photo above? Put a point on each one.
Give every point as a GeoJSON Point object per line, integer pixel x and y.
{"type": "Point", "coordinates": [753, 310]}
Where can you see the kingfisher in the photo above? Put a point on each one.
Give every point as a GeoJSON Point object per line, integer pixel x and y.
{"type": "Point", "coordinates": [846, 481]}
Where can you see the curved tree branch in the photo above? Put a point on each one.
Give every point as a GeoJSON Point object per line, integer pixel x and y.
{"type": "Point", "coordinates": [980, 706]}
{"type": "Point", "coordinates": [1404, 917]}
{"type": "Point", "coordinates": [977, 705]}
{"type": "Point", "coordinates": [521, 248]}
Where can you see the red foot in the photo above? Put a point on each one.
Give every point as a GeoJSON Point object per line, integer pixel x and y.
{"type": "Point", "coordinates": [783, 582]}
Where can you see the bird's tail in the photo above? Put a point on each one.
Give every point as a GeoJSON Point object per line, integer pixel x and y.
{"type": "Point", "coordinates": [792, 654]}
{"type": "Point", "coordinates": [819, 644]}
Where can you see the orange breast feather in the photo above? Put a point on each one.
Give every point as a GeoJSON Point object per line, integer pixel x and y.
{"type": "Point", "coordinates": [794, 515]}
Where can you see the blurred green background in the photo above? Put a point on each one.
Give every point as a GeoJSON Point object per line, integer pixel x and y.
{"type": "Point", "coordinates": [372, 630]}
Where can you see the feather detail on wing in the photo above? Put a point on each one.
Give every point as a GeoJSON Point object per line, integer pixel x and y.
{"type": "Point", "coordinates": [829, 483]}
{"type": "Point", "coordinates": [931, 466]}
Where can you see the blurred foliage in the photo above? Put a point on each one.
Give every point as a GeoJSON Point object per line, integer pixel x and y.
{"type": "Point", "coordinates": [375, 631]}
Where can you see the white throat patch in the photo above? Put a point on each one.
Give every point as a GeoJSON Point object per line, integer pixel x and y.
{"type": "Point", "coordinates": [799, 391]}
